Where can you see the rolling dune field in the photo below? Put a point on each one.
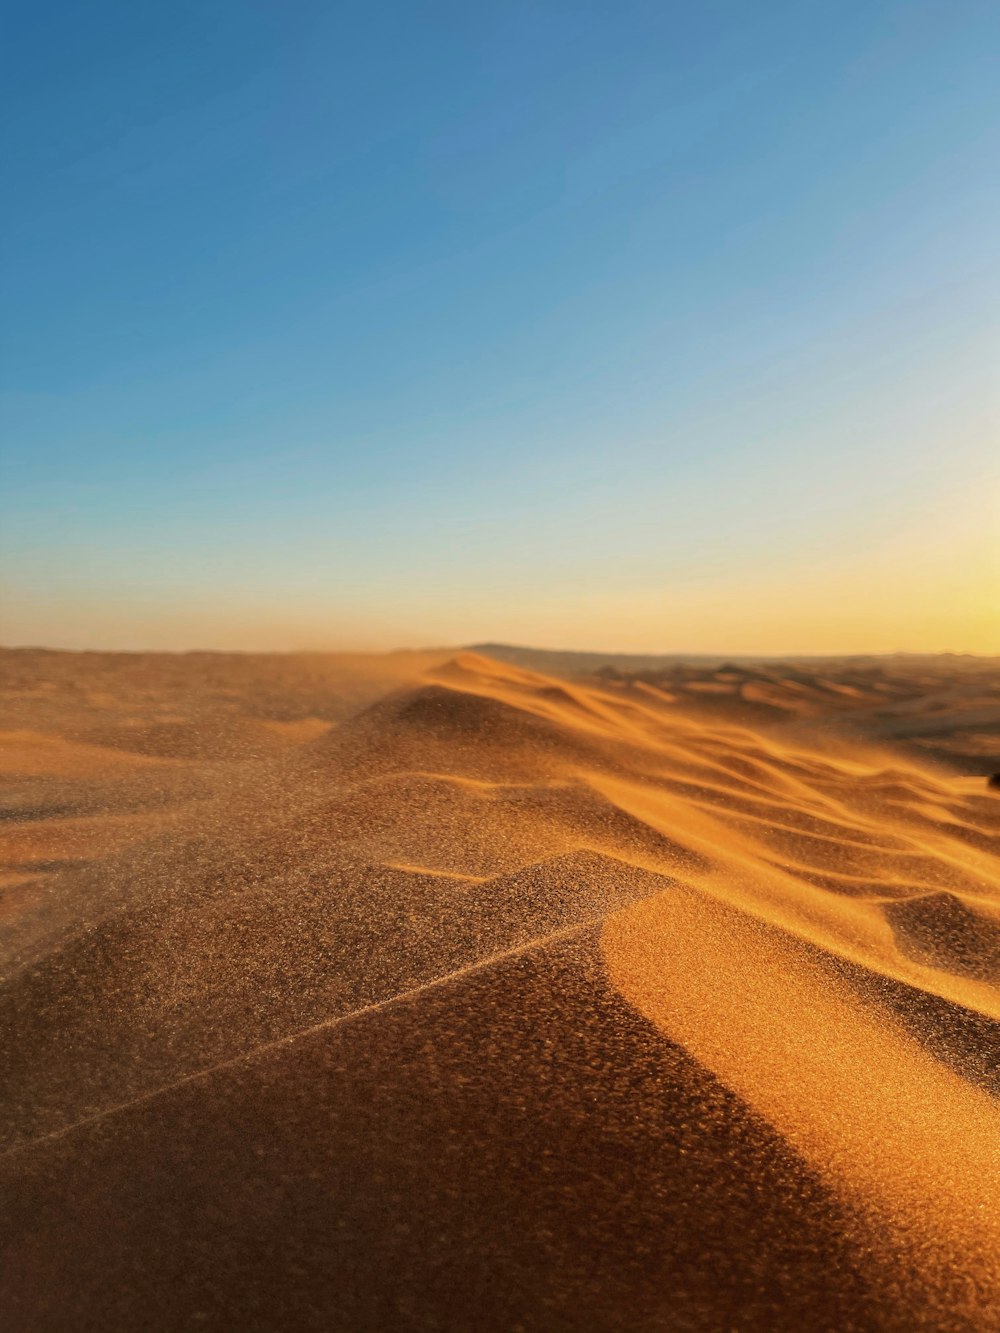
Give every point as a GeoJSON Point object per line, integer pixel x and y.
{"type": "Point", "coordinates": [438, 991]}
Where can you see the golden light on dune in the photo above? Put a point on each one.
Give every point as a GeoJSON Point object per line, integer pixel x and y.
{"type": "Point", "coordinates": [408, 964]}
{"type": "Point", "coordinates": [500, 668]}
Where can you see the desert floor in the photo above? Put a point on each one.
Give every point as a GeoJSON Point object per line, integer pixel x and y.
{"type": "Point", "coordinates": [439, 991]}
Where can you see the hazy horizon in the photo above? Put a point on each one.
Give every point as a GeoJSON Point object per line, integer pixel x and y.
{"type": "Point", "coordinates": [515, 650]}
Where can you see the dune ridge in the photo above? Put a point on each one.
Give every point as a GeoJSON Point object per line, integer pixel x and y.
{"type": "Point", "coordinates": [761, 961]}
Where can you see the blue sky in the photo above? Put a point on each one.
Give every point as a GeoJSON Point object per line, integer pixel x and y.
{"type": "Point", "coordinates": [650, 326]}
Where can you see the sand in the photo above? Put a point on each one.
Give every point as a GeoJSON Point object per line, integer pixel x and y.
{"type": "Point", "coordinates": [435, 992]}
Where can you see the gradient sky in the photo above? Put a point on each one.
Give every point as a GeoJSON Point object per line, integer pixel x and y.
{"type": "Point", "coordinates": [638, 326]}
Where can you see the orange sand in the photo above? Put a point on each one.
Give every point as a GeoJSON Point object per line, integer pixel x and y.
{"type": "Point", "coordinates": [429, 992]}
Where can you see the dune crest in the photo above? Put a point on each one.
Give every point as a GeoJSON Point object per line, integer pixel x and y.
{"type": "Point", "coordinates": [907, 1141]}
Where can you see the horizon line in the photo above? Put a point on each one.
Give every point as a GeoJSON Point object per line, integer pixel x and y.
{"type": "Point", "coordinates": [485, 647]}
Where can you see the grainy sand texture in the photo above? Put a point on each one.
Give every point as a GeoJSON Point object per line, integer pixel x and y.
{"type": "Point", "coordinates": [439, 991]}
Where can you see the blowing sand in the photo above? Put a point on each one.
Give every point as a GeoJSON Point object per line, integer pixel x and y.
{"type": "Point", "coordinates": [432, 992]}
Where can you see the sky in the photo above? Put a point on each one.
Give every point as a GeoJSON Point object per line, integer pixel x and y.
{"type": "Point", "coordinates": [620, 326]}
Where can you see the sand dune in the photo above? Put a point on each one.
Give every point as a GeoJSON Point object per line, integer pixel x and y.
{"type": "Point", "coordinates": [450, 994]}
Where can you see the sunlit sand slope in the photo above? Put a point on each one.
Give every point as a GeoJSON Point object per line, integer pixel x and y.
{"type": "Point", "coordinates": [508, 1002]}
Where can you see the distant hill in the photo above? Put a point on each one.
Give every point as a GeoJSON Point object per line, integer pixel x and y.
{"type": "Point", "coordinates": [577, 663]}
{"type": "Point", "coordinates": [571, 663]}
